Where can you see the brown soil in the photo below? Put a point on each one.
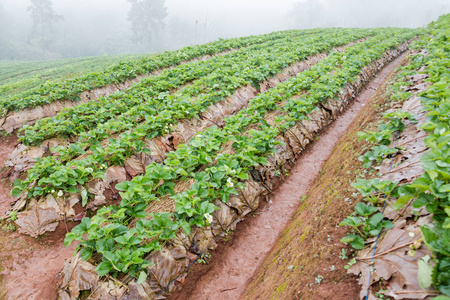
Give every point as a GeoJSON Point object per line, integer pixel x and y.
{"type": "Point", "coordinates": [28, 267]}
{"type": "Point", "coordinates": [307, 248]}
{"type": "Point", "coordinates": [7, 145]}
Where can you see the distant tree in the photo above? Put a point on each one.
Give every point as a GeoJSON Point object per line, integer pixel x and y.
{"type": "Point", "coordinates": [44, 18]}
{"type": "Point", "coordinates": [147, 20]}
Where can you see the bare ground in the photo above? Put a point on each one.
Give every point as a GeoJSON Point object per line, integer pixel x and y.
{"type": "Point", "coordinates": [305, 249]}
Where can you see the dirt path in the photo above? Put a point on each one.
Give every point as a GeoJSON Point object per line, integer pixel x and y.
{"type": "Point", "coordinates": [227, 276]}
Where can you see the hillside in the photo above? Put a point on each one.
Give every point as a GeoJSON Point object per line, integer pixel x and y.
{"type": "Point", "coordinates": [143, 166]}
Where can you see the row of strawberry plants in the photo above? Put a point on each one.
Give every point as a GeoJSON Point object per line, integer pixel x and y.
{"type": "Point", "coordinates": [431, 189]}
{"type": "Point", "coordinates": [52, 174]}
{"type": "Point", "coordinates": [86, 116]}
{"type": "Point", "coordinates": [106, 233]}
{"type": "Point", "coordinates": [70, 89]}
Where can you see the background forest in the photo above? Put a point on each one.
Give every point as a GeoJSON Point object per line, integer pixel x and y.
{"type": "Point", "coordinates": [50, 29]}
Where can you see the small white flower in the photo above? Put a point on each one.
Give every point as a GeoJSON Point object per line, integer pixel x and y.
{"type": "Point", "coordinates": [53, 191]}
{"type": "Point", "coordinates": [187, 112]}
{"type": "Point", "coordinates": [229, 182]}
{"type": "Point", "coordinates": [411, 234]}
{"type": "Point", "coordinates": [60, 193]}
{"type": "Point", "coordinates": [208, 218]}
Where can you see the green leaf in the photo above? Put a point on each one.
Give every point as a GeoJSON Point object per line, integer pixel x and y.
{"type": "Point", "coordinates": [365, 210]}
{"type": "Point", "coordinates": [77, 149]}
{"type": "Point", "coordinates": [121, 240]}
{"type": "Point", "coordinates": [103, 268]}
{"type": "Point", "coordinates": [445, 188]}
{"type": "Point", "coordinates": [84, 197]}
{"type": "Point", "coordinates": [351, 221]}
{"type": "Point", "coordinates": [354, 240]}
{"type": "Point", "coordinates": [375, 219]}
{"type": "Point", "coordinates": [70, 237]}
{"type": "Point", "coordinates": [123, 186]}
{"type": "Point", "coordinates": [423, 200]}
{"type": "Point", "coordinates": [446, 223]}
{"type": "Point", "coordinates": [186, 228]}
{"type": "Point", "coordinates": [142, 277]}
{"type": "Point", "coordinates": [402, 201]}
{"type": "Point", "coordinates": [424, 275]}
{"type": "Point", "coordinates": [16, 192]}
{"type": "Point", "coordinates": [85, 253]}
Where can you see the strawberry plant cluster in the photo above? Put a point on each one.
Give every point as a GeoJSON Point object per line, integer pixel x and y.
{"type": "Point", "coordinates": [159, 116]}
{"type": "Point", "coordinates": [70, 89]}
{"type": "Point", "coordinates": [432, 189]}
{"type": "Point", "coordinates": [214, 173]}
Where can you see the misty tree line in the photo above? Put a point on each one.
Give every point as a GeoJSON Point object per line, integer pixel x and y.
{"type": "Point", "coordinates": [147, 27]}
{"type": "Point", "coordinates": [146, 18]}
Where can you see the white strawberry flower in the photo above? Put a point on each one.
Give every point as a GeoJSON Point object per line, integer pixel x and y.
{"type": "Point", "coordinates": [60, 193]}
{"type": "Point", "coordinates": [208, 218]}
{"type": "Point", "coordinates": [229, 182]}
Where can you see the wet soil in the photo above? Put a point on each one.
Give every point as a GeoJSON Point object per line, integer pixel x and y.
{"type": "Point", "coordinates": [258, 263]}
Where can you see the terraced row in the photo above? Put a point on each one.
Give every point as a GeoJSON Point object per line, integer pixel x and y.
{"type": "Point", "coordinates": [207, 172]}
{"type": "Point", "coordinates": [71, 89]}
{"type": "Point", "coordinates": [52, 173]}
{"type": "Point", "coordinates": [149, 91]}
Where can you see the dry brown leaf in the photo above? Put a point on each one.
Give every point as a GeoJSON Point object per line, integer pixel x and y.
{"type": "Point", "coordinates": [108, 290]}
{"type": "Point", "coordinates": [396, 267]}
{"type": "Point", "coordinates": [39, 218]}
{"type": "Point", "coordinates": [78, 276]}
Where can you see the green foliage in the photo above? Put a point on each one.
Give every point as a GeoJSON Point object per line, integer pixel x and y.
{"type": "Point", "coordinates": [216, 175]}
{"type": "Point", "coordinates": [373, 189]}
{"type": "Point", "coordinates": [369, 223]}
{"type": "Point", "coordinates": [432, 189]}
{"type": "Point", "coordinates": [118, 73]}
{"type": "Point", "coordinates": [377, 154]}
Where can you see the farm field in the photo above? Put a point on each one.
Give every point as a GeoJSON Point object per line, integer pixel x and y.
{"type": "Point", "coordinates": [127, 181]}
{"type": "Point", "coordinates": [20, 76]}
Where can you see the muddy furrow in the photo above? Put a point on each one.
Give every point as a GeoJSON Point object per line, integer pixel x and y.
{"type": "Point", "coordinates": [228, 276]}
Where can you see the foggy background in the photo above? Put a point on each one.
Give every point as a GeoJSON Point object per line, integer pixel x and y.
{"type": "Point", "coordinates": [103, 27]}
